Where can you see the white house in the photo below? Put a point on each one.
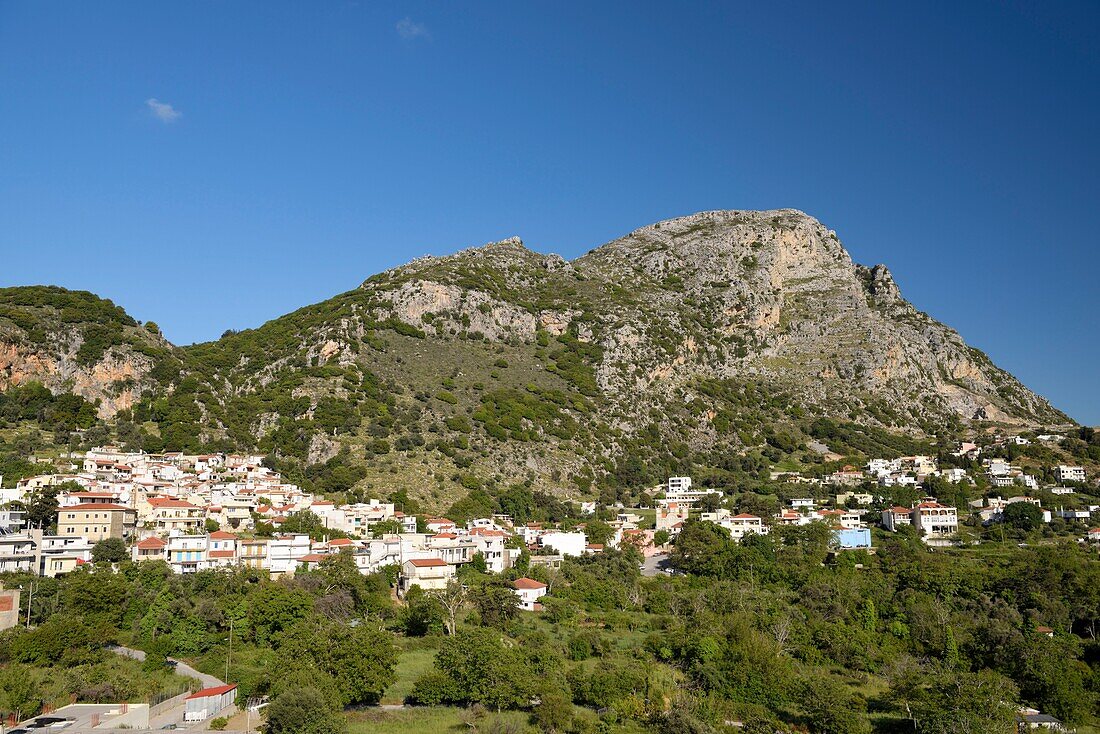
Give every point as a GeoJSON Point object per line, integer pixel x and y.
{"type": "Point", "coordinates": [953, 475]}
{"type": "Point", "coordinates": [744, 524]}
{"type": "Point", "coordinates": [430, 574]}
{"type": "Point", "coordinates": [895, 517]}
{"type": "Point", "coordinates": [932, 518]}
{"type": "Point", "coordinates": [566, 544]}
{"type": "Point", "coordinates": [859, 498]}
{"type": "Point", "coordinates": [529, 592]}
{"type": "Point", "coordinates": [284, 552]}
{"type": "Point", "coordinates": [1069, 473]}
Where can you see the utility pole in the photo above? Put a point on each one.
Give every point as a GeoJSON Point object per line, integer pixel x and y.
{"type": "Point", "coordinates": [229, 656]}
{"type": "Point", "coordinates": [30, 595]}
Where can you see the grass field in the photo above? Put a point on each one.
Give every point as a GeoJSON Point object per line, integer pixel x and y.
{"type": "Point", "coordinates": [414, 660]}
{"type": "Point", "coordinates": [428, 719]}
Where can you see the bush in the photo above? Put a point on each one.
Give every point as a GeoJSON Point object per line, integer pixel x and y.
{"type": "Point", "coordinates": [303, 711]}
{"type": "Point", "coordinates": [434, 689]}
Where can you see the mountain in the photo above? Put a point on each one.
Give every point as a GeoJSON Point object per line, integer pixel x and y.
{"type": "Point", "coordinates": [724, 338]}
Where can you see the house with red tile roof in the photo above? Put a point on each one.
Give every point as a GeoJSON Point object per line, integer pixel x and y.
{"type": "Point", "coordinates": [529, 591]}
{"type": "Point", "coordinates": [430, 574]}
{"type": "Point", "coordinates": [150, 549]}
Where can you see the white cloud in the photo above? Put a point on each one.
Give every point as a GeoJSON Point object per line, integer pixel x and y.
{"type": "Point", "coordinates": [162, 110]}
{"type": "Point", "coordinates": [408, 29]}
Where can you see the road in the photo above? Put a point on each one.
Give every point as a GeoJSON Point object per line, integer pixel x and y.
{"type": "Point", "coordinates": [654, 565]}
{"type": "Point", "coordinates": [173, 715]}
{"type": "Point", "coordinates": [207, 681]}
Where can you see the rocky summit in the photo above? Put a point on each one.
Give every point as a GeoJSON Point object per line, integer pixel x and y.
{"type": "Point", "coordinates": [688, 341]}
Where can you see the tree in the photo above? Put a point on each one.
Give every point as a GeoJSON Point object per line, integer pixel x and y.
{"type": "Point", "coordinates": [109, 550]}
{"type": "Point", "coordinates": [497, 604]}
{"type": "Point", "coordinates": [452, 598]}
{"type": "Point", "coordinates": [385, 527]}
{"type": "Point", "coordinates": [475, 666]}
{"type": "Point", "coordinates": [709, 503]}
{"type": "Point", "coordinates": [598, 532]}
{"type": "Point", "coordinates": [274, 608]}
{"type": "Point", "coordinates": [310, 524]}
{"type": "Point", "coordinates": [703, 548]}
{"type": "Point", "coordinates": [661, 537]}
{"type": "Point", "coordinates": [554, 711]}
{"type": "Point", "coordinates": [42, 505]}
{"type": "Point", "coordinates": [423, 612]}
{"type": "Point", "coordinates": [20, 691]}
{"type": "Point", "coordinates": [960, 702]}
{"type": "Point", "coordinates": [303, 711]}
{"type": "Point", "coordinates": [1053, 678]}
{"type": "Point", "coordinates": [359, 660]}
{"type": "Point", "coordinates": [362, 661]}
{"type": "Point", "coordinates": [831, 708]}
{"type": "Point", "coordinates": [1022, 516]}
{"type": "Point", "coordinates": [211, 525]}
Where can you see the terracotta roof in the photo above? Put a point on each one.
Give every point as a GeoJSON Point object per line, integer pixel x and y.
{"type": "Point", "coordinates": [165, 502]}
{"type": "Point", "coordinates": [341, 541]}
{"type": "Point", "coordinates": [313, 558]}
{"type": "Point", "coordinates": [745, 516]}
{"type": "Point", "coordinates": [428, 562]}
{"type": "Point", "coordinates": [215, 691]}
{"type": "Point", "coordinates": [220, 553]}
{"type": "Point", "coordinates": [526, 583]}
{"type": "Point", "coordinates": [151, 544]}
{"type": "Point", "coordinates": [222, 535]}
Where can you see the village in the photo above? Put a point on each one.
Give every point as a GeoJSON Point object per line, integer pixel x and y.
{"type": "Point", "coordinates": [202, 512]}
{"type": "Point", "coordinates": [210, 512]}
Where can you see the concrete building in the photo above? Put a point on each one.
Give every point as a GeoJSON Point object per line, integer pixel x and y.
{"type": "Point", "coordinates": [284, 552]}
{"type": "Point", "coordinates": [97, 522]}
{"type": "Point", "coordinates": [932, 518]}
{"type": "Point", "coordinates": [1069, 473]}
{"type": "Point", "coordinates": [430, 574]}
{"type": "Point", "coordinates": [852, 538]}
{"type": "Point", "coordinates": [9, 608]}
{"type": "Point", "coordinates": [566, 544]}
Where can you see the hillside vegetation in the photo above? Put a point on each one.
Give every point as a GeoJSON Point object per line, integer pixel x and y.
{"type": "Point", "coordinates": [714, 341]}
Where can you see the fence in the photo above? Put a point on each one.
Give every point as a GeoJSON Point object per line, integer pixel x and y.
{"type": "Point", "coordinates": [165, 700]}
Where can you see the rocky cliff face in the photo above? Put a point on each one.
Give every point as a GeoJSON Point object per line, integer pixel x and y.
{"type": "Point", "coordinates": [114, 383]}
{"type": "Point", "coordinates": [775, 297]}
{"type": "Point", "coordinates": [73, 341]}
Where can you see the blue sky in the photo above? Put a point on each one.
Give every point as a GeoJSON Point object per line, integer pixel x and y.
{"type": "Point", "coordinates": [212, 165]}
